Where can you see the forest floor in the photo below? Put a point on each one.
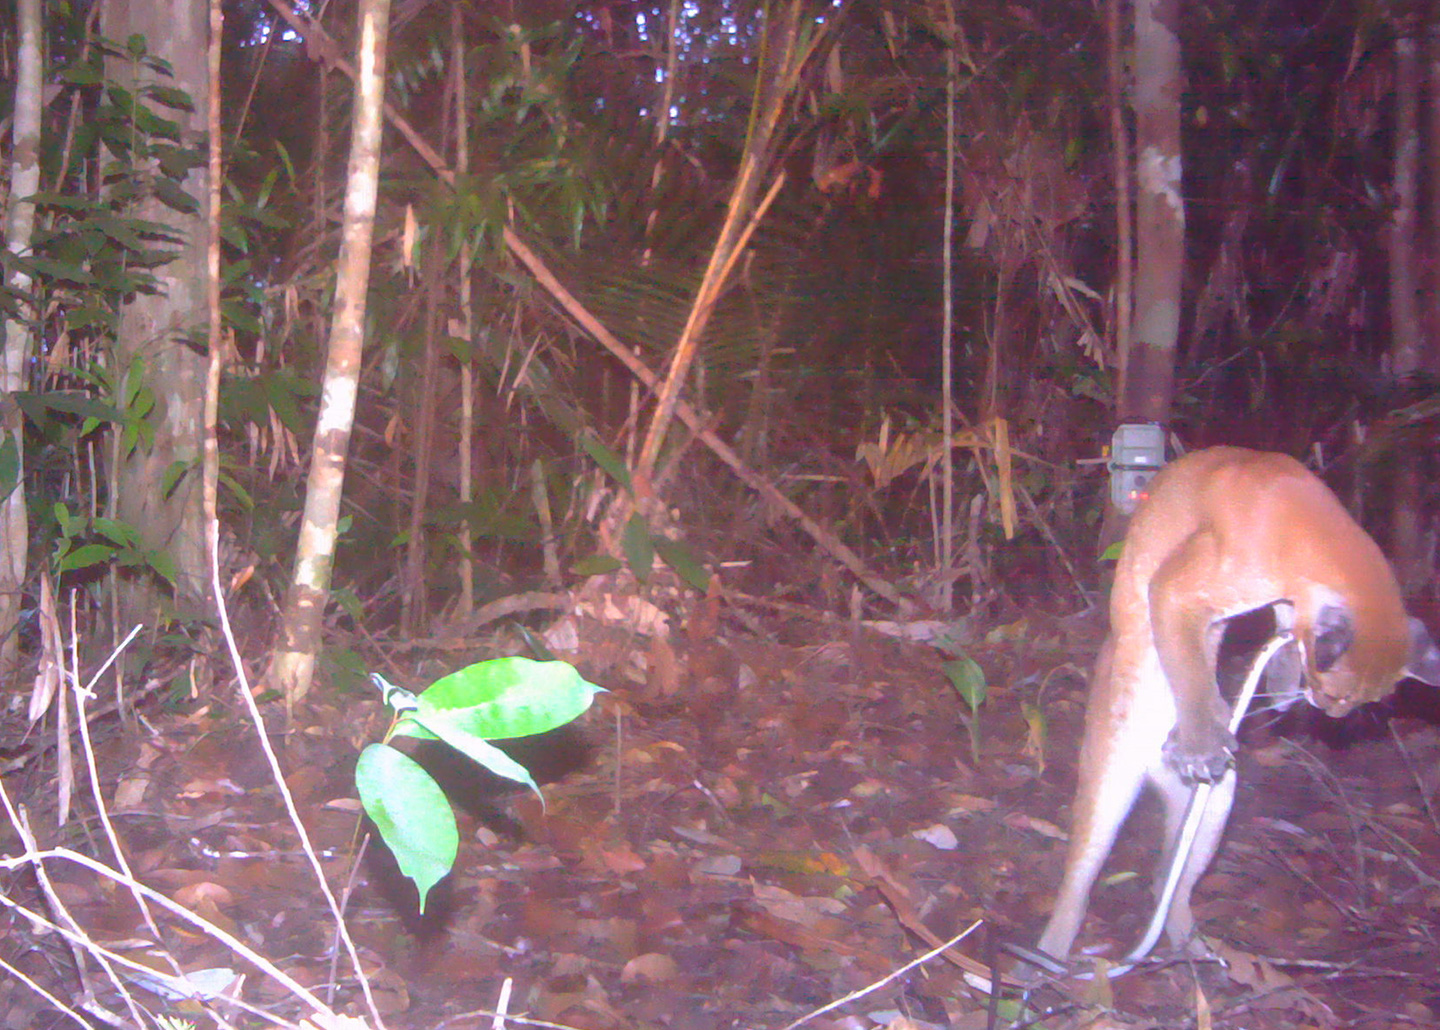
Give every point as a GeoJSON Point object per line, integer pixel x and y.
{"type": "Point", "coordinates": [743, 834]}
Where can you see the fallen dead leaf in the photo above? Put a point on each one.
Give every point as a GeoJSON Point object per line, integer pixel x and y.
{"type": "Point", "coordinates": [783, 904]}
{"type": "Point", "coordinates": [130, 792]}
{"type": "Point", "coordinates": [808, 863]}
{"type": "Point", "coordinates": [938, 836]}
{"type": "Point", "coordinates": [1021, 821]}
{"type": "Point", "coordinates": [969, 804]}
{"type": "Point", "coordinates": [617, 860]}
{"type": "Point", "coordinates": [652, 967]}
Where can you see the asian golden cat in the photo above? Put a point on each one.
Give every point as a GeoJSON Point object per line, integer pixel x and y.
{"type": "Point", "coordinates": [1223, 531]}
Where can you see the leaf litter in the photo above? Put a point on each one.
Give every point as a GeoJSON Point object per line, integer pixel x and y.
{"type": "Point", "coordinates": [778, 826]}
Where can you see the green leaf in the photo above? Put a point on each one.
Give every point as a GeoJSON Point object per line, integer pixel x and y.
{"type": "Point", "coordinates": [345, 669]}
{"type": "Point", "coordinates": [163, 565]}
{"type": "Point", "coordinates": [36, 406]}
{"type": "Point", "coordinates": [611, 463]}
{"type": "Point", "coordinates": [141, 400]}
{"type": "Point", "coordinates": [63, 271]}
{"type": "Point", "coordinates": [349, 603]}
{"type": "Point", "coordinates": [81, 74]}
{"type": "Point", "coordinates": [171, 97]}
{"type": "Point", "coordinates": [174, 472]}
{"type": "Point", "coordinates": [85, 316]}
{"type": "Point", "coordinates": [173, 196]}
{"type": "Point", "coordinates": [85, 556]}
{"type": "Point", "coordinates": [235, 236]}
{"type": "Point", "coordinates": [9, 465]}
{"type": "Point", "coordinates": [411, 813]}
{"type": "Point", "coordinates": [1112, 553]}
{"type": "Point", "coordinates": [117, 531]}
{"type": "Point", "coordinates": [678, 557]}
{"type": "Point", "coordinates": [69, 524]}
{"type": "Point", "coordinates": [595, 565]}
{"type": "Point", "coordinates": [285, 157]}
{"type": "Point", "coordinates": [968, 679]}
{"type": "Point", "coordinates": [237, 490]}
{"type": "Point", "coordinates": [639, 551]}
{"type": "Point", "coordinates": [446, 725]}
{"type": "Point", "coordinates": [535, 643]}
{"type": "Point", "coordinates": [508, 697]}
{"type": "Point", "coordinates": [44, 198]}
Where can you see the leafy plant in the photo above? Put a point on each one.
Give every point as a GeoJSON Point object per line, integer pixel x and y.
{"type": "Point", "coordinates": [84, 543]}
{"type": "Point", "coordinates": [494, 700]}
{"type": "Point", "coordinates": [639, 544]}
{"type": "Point", "coordinates": [968, 679]}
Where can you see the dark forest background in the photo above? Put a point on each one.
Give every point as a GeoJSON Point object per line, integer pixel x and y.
{"type": "Point", "coordinates": [609, 137]}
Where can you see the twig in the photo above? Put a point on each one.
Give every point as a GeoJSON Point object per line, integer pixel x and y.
{"type": "Point", "coordinates": [278, 776]}
{"type": "Point", "coordinates": [102, 954]}
{"type": "Point", "coordinates": [350, 879]}
{"type": "Point", "coordinates": [502, 1006]}
{"type": "Point", "coordinates": [1049, 535]}
{"type": "Point", "coordinates": [861, 992]}
{"type": "Point", "coordinates": [72, 930]}
{"type": "Point", "coordinates": [1405, 756]}
{"type": "Point", "coordinates": [52, 999]}
{"type": "Point", "coordinates": [229, 940]}
{"type": "Point", "coordinates": [102, 810]}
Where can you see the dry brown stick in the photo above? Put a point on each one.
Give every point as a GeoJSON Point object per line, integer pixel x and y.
{"type": "Point", "coordinates": [315, 36]}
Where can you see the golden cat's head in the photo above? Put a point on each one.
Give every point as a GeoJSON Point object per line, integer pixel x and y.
{"type": "Point", "coordinates": [1349, 659]}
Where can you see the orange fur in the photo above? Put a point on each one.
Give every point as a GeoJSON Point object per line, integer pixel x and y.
{"type": "Point", "coordinates": [1223, 532]}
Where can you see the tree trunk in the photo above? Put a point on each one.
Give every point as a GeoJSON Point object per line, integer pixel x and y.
{"type": "Point", "coordinates": [414, 594]}
{"type": "Point", "coordinates": [292, 667]}
{"type": "Point", "coordinates": [466, 602]}
{"type": "Point", "coordinates": [19, 227]}
{"type": "Point", "coordinates": [160, 329]}
{"type": "Point", "coordinates": [1148, 277]}
{"type": "Point", "coordinates": [1159, 213]}
{"type": "Point", "coordinates": [1124, 288]}
{"type": "Point", "coordinates": [1430, 346]}
{"type": "Point", "coordinates": [1404, 305]}
{"type": "Point", "coordinates": [1405, 335]}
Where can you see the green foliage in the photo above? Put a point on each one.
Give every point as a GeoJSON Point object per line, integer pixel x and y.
{"type": "Point", "coordinates": [90, 252]}
{"type": "Point", "coordinates": [84, 543]}
{"type": "Point", "coordinates": [640, 547]}
{"type": "Point", "coordinates": [253, 398]}
{"type": "Point", "coordinates": [639, 551]}
{"type": "Point", "coordinates": [491, 515]}
{"type": "Point", "coordinates": [596, 565]}
{"type": "Point", "coordinates": [50, 411]}
{"type": "Point", "coordinates": [9, 465]}
{"type": "Point", "coordinates": [968, 679]}
{"type": "Point", "coordinates": [610, 463]}
{"type": "Point", "coordinates": [344, 668]}
{"type": "Point", "coordinates": [100, 239]}
{"type": "Point", "coordinates": [496, 700]}
{"type": "Point", "coordinates": [79, 543]}
{"type": "Point", "coordinates": [409, 809]}
{"type": "Point", "coordinates": [682, 563]}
